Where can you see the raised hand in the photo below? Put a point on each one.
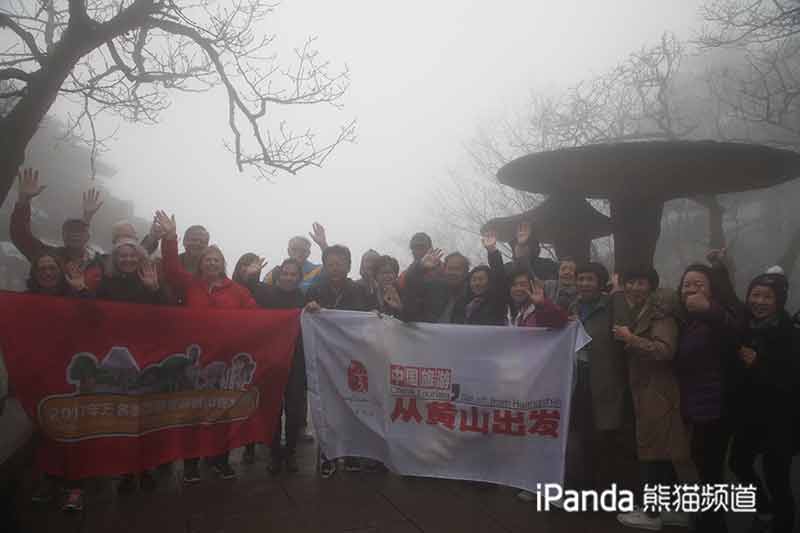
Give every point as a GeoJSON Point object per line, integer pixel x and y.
{"type": "Point", "coordinates": [748, 356]}
{"type": "Point", "coordinates": [91, 204]}
{"type": "Point", "coordinates": [29, 185]}
{"type": "Point", "coordinates": [432, 259]}
{"type": "Point", "coordinates": [156, 231]}
{"type": "Point", "coordinates": [717, 257]}
{"type": "Point", "coordinates": [167, 224]}
{"type": "Point", "coordinates": [392, 298]}
{"type": "Point", "coordinates": [318, 235]}
{"type": "Point", "coordinates": [523, 232]}
{"type": "Point", "coordinates": [254, 269]}
{"type": "Point", "coordinates": [697, 303]}
{"type": "Point", "coordinates": [74, 277]}
{"type": "Point", "coordinates": [536, 293]}
{"type": "Point", "coordinates": [148, 275]}
{"type": "Point", "coordinates": [489, 241]}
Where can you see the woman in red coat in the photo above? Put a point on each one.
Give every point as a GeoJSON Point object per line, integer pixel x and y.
{"type": "Point", "coordinates": [529, 305]}
{"type": "Point", "coordinates": [210, 287]}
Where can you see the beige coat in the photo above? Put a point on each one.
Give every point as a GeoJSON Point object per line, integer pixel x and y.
{"type": "Point", "coordinates": [660, 432]}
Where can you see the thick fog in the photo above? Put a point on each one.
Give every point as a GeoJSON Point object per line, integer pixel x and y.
{"type": "Point", "coordinates": [424, 76]}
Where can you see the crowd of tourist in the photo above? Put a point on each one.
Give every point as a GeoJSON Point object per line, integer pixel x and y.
{"type": "Point", "coordinates": [706, 379]}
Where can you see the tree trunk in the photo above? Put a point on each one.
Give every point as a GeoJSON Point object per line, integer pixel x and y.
{"type": "Point", "coordinates": [716, 230]}
{"type": "Point", "coordinates": [637, 226]}
{"type": "Point", "coordinates": [578, 247]}
{"type": "Point", "coordinates": [18, 127]}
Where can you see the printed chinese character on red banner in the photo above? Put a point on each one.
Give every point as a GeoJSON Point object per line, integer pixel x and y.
{"type": "Point", "coordinates": [474, 421]}
{"type": "Point", "coordinates": [545, 422]}
{"type": "Point", "coordinates": [442, 378]}
{"type": "Point", "coordinates": [406, 412]}
{"type": "Point", "coordinates": [426, 378]}
{"type": "Point", "coordinates": [508, 423]}
{"type": "Point", "coordinates": [443, 413]}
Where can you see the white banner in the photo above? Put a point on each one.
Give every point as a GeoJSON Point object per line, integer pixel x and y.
{"type": "Point", "coordinates": [482, 403]}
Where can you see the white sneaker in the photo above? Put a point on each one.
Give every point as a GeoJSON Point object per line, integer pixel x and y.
{"type": "Point", "coordinates": [640, 520]}
{"type": "Point", "coordinates": [527, 497]}
{"type": "Point", "coordinates": [675, 519]}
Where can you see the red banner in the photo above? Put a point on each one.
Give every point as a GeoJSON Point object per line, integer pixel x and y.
{"type": "Point", "coordinates": [117, 388]}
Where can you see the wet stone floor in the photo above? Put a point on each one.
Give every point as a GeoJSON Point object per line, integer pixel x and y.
{"type": "Point", "coordinates": [303, 503]}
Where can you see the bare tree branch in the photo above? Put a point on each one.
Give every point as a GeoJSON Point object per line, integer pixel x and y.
{"type": "Point", "coordinates": [7, 22]}
{"type": "Point", "coordinates": [123, 56]}
{"type": "Point", "coordinates": [735, 22]}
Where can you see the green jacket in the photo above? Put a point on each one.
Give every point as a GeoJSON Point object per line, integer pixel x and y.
{"type": "Point", "coordinates": [608, 379]}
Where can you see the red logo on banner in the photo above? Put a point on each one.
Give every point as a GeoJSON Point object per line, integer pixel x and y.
{"type": "Point", "coordinates": [357, 378]}
{"type": "Point", "coordinates": [114, 397]}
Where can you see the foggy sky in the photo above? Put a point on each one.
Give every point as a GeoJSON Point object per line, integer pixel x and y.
{"type": "Point", "coordinates": [425, 75]}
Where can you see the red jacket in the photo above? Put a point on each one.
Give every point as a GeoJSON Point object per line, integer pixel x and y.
{"type": "Point", "coordinates": [547, 315]}
{"type": "Point", "coordinates": [196, 292]}
{"type": "Point", "coordinates": [31, 247]}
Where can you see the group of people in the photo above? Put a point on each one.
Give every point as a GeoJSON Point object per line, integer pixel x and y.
{"type": "Point", "coordinates": [702, 377]}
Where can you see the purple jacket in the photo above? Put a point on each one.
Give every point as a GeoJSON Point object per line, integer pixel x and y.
{"type": "Point", "coordinates": [705, 359]}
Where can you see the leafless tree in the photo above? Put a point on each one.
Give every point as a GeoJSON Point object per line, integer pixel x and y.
{"type": "Point", "coordinates": [758, 86]}
{"type": "Point", "coordinates": [124, 57]}
{"type": "Point", "coordinates": [634, 100]}
{"type": "Point", "coordinates": [737, 22]}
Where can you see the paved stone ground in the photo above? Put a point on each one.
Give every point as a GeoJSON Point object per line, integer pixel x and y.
{"type": "Point", "coordinates": [305, 503]}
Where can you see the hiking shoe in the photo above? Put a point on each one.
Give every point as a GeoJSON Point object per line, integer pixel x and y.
{"type": "Point", "coordinates": [275, 465]}
{"type": "Point", "coordinates": [45, 491]}
{"type": "Point", "coordinates": [249, 456]}
{"type": "Point", "coordinates": [353, 464]}
{"type": "Point", "coordinates": [73, 502]}
{"type": "Point", "coordinates": [291, 464]}
{"type": "Point", "coordinates": [327, 468]}
{"type": "Point", "coordinates": [147, 481]}
{"type": "Point", "coordinates": [127, 484]}
{"type": "Point", "coordinates": [640, 520]}
{"type": "Point", "coordinates": [225, 471]}
{"type": "Point", "coordinates": [191, 473]}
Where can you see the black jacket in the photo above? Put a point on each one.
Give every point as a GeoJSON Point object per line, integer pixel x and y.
{"type": "Point", "coordinates": [128, 288]}
{"type": "Point", "coordinates": [273, 297]}
{"type": "Point", "coordinates": [491, 309]}
{"type": "Point", "coordinates": [427, 297]}
{"type": "Point", "coordinates": [772, 383]}
{"type": "Point", "coordinates": [352, 297]}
